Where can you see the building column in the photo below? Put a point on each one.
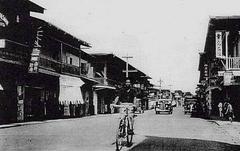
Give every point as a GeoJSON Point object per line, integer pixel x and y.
{"type": "Point", "coordinates": [95, 102]}
{"type": "Point", "coordinates": [105, 73]}
{"type": "Point", "coordinates": [226, 49]}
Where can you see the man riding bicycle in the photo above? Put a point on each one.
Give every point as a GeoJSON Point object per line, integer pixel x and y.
{"type": "Point", "coordinates": [127, 98]}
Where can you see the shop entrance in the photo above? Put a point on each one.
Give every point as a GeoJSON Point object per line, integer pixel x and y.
{"type": "Point", "coordinates": [33, 106]}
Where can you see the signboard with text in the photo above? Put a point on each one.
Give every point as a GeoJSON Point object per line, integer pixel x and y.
{"type": "Point", "coordinates": [219, 44]}
{"type": "Point", "coordinates": [20, 103]}
{"type": "Point", "coordinates": [228, 78]}
{"type": "Point", "coordinates": [35, 56]}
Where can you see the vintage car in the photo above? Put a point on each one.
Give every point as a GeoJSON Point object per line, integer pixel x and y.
{"type": "Point", "coordinates": [189, 104]}
{"type": "Point", "coordinates": [163, 105]}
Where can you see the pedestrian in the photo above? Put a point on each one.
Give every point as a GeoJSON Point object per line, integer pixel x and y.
{"type": "Point", "coordinates": [209, 109]}
{"type": "Point", "coordinates": [220, 109]}
{"type": "Point", "coordinates": [229, 112]}
{"type": "Point", "coordinates": [191, 107]}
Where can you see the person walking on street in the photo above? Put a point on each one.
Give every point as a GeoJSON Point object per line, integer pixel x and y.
{"type": "Point", "coordinates": [229, 112]}
{"type": "Point", "coordinates": [220, 109]}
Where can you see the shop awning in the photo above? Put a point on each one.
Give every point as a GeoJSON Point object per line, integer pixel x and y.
{"type": "Point", "coordinates": [70, 89]}
{"type": "Point", "coordinates": [101, 86]}
{"type": "Point", "coordinates": [86, 79]}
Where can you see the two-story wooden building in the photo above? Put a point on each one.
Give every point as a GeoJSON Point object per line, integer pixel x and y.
{"type": "Point", "coordinates": [110, 71]}
{"type": "Point", "coordinates": [15, 50]}
{"type": "Point", "coordinates": [45, 74]}
{"type": "Point", "coordinates": [219, 64]}
{"type": "Point", "coordinates": [43, 71]}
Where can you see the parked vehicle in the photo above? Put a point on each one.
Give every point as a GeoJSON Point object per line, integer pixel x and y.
{"type": "Point", "coordinates": [163, 105]}
{"type": "Point", "coordinates": [189, 104]}
{"type": "Point", "coordinates": [174, 104]}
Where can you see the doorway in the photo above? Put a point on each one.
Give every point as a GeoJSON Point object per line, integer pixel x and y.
{"type": "Point", "coordinates": [33, 106]}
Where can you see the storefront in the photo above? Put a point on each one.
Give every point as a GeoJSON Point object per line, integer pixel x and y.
{"type": "Point", "coordinates": [40, 96]}
{"type": "Point", "coordinates": [70, 95]}
{"type": "Point", "coordinates": [8, 92]}
{"type": "Point", "coordinates": [90, 96]}
{"type": "Point", "coordinates": [105, 97]}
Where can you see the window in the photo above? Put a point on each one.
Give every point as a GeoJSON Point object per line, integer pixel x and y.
{"type": "Point", "coordinates": [69, 60]}
{"type": "Point", "coordinates": [83, 68]}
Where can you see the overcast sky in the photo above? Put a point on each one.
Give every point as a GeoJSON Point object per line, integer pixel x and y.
{"type": "Point", "coordinates": [164, 37]}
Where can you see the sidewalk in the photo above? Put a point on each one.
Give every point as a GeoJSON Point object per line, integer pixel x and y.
{"type": "Point", "coordinates": [2, 126]}
{"type": "Point", "coordinates": [233, 129]}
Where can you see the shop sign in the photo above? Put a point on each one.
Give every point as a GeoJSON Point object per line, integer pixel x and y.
{"type": "Point", "coordinates": [205, 70]}
{"type": "Point", "coordinates": [219, 45]}
{"type": "Point", "coordinates": [221, 73]}
{"type": "Point", "coordinates": [33, 66]}
{"type": "Point", "coordinates": [34, 62]}
{"type": "Point", "coordinates": [228, 78]}
{"type": "Point", "coordinates": [3, 20]}
{"type": "Point", "coordinates": [20, 103]}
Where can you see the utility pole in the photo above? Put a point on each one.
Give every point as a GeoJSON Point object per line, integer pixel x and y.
{"type": "Point", "coordinates": [160, 85]}
{"type": "Point", "coordinates": [170, 87]}
{"type": "Point", "coordinates": [127, 71]}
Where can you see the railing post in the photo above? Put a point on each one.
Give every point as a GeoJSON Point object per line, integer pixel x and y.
{"type": "Point", "coordinates": [226, 39]}
{"type": "Point", "coordinates": [61, 52]}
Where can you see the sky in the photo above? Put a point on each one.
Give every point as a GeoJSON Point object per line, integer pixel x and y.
{"type": "Point", "coordinates": [164, 37]}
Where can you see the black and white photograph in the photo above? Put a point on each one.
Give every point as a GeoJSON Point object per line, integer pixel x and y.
{"type": "Point", "coordinates": [119, 75]}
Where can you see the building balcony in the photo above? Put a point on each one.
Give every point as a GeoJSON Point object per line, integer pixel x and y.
{"type": "Point", "coordinates": [48, 63]}
{"type": "Point", "coordinates": [233, 63]}
{"type": "Point", "coordinates": [17, 53]}
{"type": "Point", "coordinates": [68, 68]}
{"type": "Point", "coordinates": [14, 52]}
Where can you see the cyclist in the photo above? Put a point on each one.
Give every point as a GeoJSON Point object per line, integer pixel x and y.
{"type": "Point", "coordinates": [127, 98]}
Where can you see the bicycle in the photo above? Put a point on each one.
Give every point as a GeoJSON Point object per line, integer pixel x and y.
{"type": "Point", "coordinates": [123, 134]}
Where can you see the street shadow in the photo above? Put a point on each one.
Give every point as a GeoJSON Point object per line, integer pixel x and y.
{"type": "Point", "coordinates": [163, 113]}
{"type": "Point", "coordinates": [181, 144]}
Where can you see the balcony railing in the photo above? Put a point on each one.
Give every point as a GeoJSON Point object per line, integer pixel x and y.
{"type": "Point", "coordinates": [67, 68]}
{"type": "Point", "coordinates": [49, 63]}
{"type": "Point", "coordinates": [15, 52]}
{"type": "Point", "coordinates": [233, 63]}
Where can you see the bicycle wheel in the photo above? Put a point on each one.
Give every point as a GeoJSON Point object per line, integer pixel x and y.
{"type": "Point", "coordinates": [129, 136]}
{"type": "Point", "coordinates": [120, 136]}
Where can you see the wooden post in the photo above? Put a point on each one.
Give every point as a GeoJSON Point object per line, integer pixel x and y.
{"type": "Point", "coordinates": [160, 85]}
{"type": "Point", "coordinates": [61, 59]}
{"type": "Point", "coordinates": [80, 60]}
{"type": "Point", "coordinates": [127, 57]}
{"type": "Point", "coordinates": [105, 72]}
{"type": "Point", "coordinates": [226, 47]}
